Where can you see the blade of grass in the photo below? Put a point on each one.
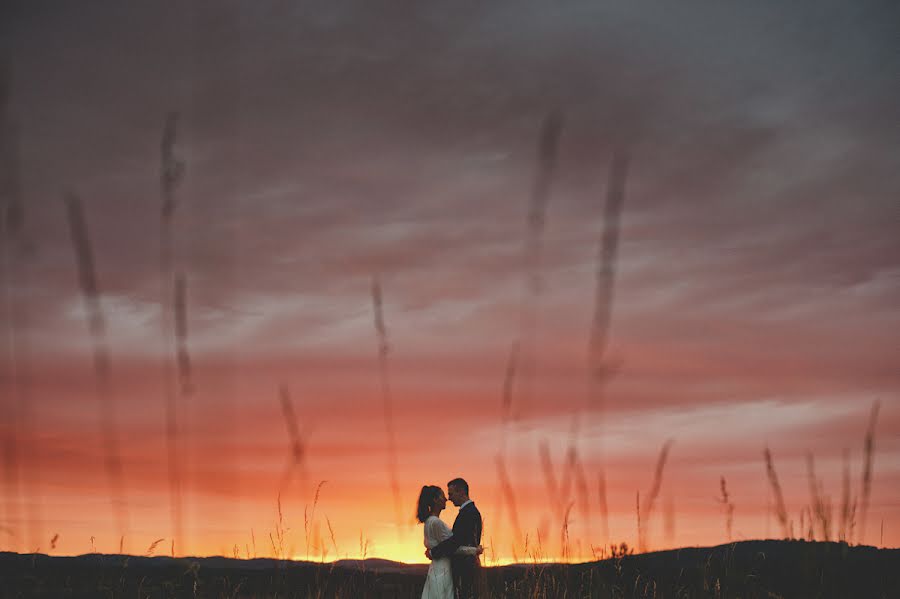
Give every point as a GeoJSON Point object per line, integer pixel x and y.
{"type": "Point", "coordinates": [548, 149]}
{"type": "Point", "coordinates": [10, 226]}
{"type": "Point", "coordinates": [821, 506]}
{"type": "Point", "coordinates": [654, 491]}
{"type": "Point", "coordinates": [387, 400]}
{"type": "Point", "coordinates": [297, 453]}
{"type": "Point", "coordinates": [780, 510]}
{"type": "Point", "coordinates": [90, 292]}
{"type": "Point", "coordinates": [869, 458]}
{"type": "Point", "coordinates": [171, 173]}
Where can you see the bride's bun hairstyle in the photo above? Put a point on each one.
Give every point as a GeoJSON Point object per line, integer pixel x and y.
{"type": "Point", "coordinates": [426, 499]}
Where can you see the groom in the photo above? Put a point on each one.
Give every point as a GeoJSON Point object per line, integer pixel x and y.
{"type": "Point", "coordinates": [466, 531]}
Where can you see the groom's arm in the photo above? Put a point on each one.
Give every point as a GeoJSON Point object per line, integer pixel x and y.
{"type": "Point", "coordinates": [445, 548]}
{"type": "Point", "coordinates": [449, 546]}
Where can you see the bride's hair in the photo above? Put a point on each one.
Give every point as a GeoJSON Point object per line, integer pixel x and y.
{"type": "Point", "coordinates": [426, 500]}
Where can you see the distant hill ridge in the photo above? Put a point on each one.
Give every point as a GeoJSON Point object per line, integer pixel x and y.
{"type": "Point", "coordinates": [746, 569]}
{"type": "Point", "coordinates": [770, 548]}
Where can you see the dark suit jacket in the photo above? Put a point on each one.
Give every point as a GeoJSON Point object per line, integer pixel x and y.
{"type": "Point", "coordinates": [466, 532]}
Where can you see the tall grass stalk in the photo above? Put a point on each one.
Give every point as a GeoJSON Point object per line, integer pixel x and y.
{"type": "Point", "coordinates": [90, 292]}
{"type": "Point", "coordinates": [331, 534]}
{"type": "Point", "coordinates": [277, 540]}
{"type": "Point", "coordinates": [654, 492]}
{"type": "Point", "coordinates": [297, 455]}
{"type": "Point", "coordinates": [17, 408]}
{"type": "Point", "coordinates": [11, 217]}
{"type": "Point", "coordinates": [523, 351]}
{"type": "Point", "coordinates": [603, 505]}
{"type": "Point", "coordinates": [574, 478]}
{"type": "Point", "coordinates": [637, 513]}
{"type": "Point", "coordinates": [171, 173]}
{"type": "Point", "coordinates": [565, 483]}
{"type": "Point", "coordinates": [183, 355]}
{"type": "Point", "coordinates": [363, 547]}
{"type": "Point", "coordinates": [387, 400]}
{"type": "Point", "coordinates": [727, 506]}
{"type": "Point", "coordinates": [780, 510]}
{"type": "Point", "coordinates": [553, 490]}
{"type": "Point", "coordinates": [309, 517]}
{"type": "Point", "coordinates": [564, 534]}
{"type": "Point", "coordinates": [506, 403]}
{"type": "Point", "coordinates": [868, 457]}
{"type": "Point", "coordinates": [19, 255]}
{"type": "Point", "coordinates": [606, 267]}
{"type": "Point", "coordinates": [598, 339]}
{"type": "Point", "coordinates": [559, 494]}
{"type": "Point", "coordinates": [848, 503]}
{"type": "Point", "coordinates": [509, 380]}
{"type": "Point", "coordinates": [152, 547]}
{"type": "Point", "coordinates": [821, 505]}
{"type": "Point", "coordinates": [547, 152]}
{"type": "Point", "coordinates": [582, 495]}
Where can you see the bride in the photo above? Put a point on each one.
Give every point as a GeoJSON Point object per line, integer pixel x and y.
{"type": "Point", "coordinates": [439, 582]}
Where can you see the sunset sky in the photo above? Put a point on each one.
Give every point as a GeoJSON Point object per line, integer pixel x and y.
{"type": "Point", "coordinates": [756, 293]}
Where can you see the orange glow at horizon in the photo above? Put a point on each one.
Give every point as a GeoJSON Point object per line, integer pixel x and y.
{"type": "Point", "coordinates": [231, 507]}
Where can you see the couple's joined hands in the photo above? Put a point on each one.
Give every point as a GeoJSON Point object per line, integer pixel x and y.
{"type": "Point", "coordinates": [479, 551]}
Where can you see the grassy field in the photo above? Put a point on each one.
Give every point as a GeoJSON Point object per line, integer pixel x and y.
{"type": "Point", "coordinates": [750, 569]}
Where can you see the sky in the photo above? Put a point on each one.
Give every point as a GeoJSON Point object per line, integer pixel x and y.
{"type": "Point", "coordinates": [327, 145]}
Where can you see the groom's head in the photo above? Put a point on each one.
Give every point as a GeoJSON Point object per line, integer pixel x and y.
{"type": "Point", "coordinates": [458, 491]}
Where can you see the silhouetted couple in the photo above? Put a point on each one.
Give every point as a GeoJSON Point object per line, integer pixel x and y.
{"type": "Point", "coordinates": [454, 554]}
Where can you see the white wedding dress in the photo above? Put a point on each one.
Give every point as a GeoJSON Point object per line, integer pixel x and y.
{"type": "Point", "coordinates": [439, 582]}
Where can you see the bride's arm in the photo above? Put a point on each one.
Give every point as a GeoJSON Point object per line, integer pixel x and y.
{"type": "Point", "coordinates": [448, 543]}
{"type": "Point", "coordinates": [467, 550]}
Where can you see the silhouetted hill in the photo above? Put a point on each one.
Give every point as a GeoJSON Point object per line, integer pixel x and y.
{"type": "Point", "coordinates": [749, 569]}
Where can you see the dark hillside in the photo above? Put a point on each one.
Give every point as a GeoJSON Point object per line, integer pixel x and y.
{"type": "Point", "coordinates": [750, 569]}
